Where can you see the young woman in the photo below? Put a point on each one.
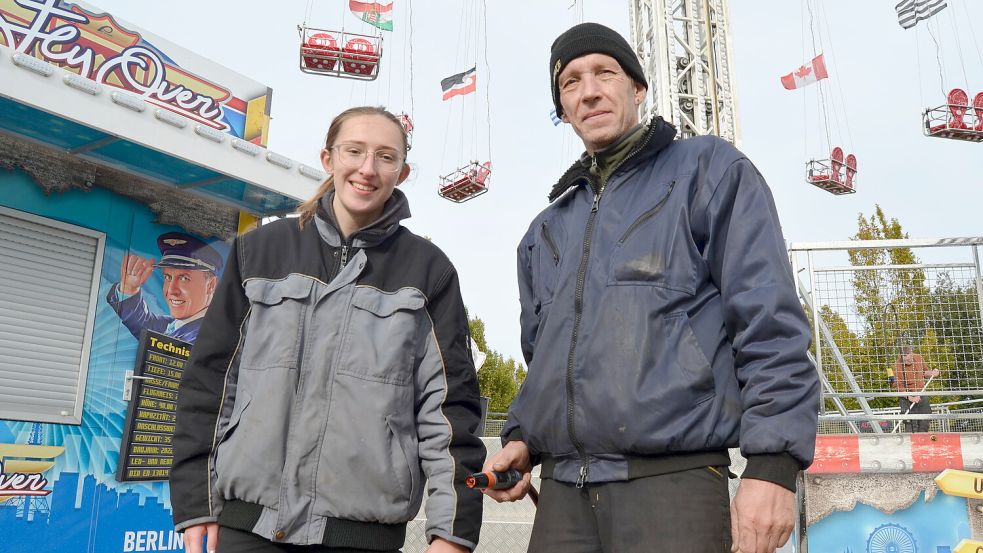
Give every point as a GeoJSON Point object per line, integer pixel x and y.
{"type": "Point", "coordinates": [332, 375]}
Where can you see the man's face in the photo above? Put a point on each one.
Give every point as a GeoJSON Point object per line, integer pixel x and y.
{"type": "Point", "coordinates": [187, 292]}
{"type": "Point", "coordinates": [599, 99]}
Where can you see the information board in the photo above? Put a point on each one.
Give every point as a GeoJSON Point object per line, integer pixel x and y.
{"type": "Point", "coordinates": [146, 451]}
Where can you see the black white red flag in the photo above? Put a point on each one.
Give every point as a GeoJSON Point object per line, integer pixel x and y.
{"type": "Point", "coordinates": [460, 84]}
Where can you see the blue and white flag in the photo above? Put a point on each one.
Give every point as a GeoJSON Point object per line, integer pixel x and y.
{"type": "Point", "coordinates": [556, 120]}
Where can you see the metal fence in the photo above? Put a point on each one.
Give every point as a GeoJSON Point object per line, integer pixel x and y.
{"type": "Point", "coordinates": [869, 301]}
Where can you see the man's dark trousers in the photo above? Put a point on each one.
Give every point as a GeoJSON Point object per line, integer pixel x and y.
{"type": "Point", "coordinates": [681, 511]}
{"type": "Point", "coordinates": [921, 408]}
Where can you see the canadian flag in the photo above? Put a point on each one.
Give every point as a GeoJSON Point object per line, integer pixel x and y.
{"type": "Point", "coordinates": [807, 74]}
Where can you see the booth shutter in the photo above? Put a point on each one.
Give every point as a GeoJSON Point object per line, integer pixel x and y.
{"type": "Point", "coordinates": [49, 273]}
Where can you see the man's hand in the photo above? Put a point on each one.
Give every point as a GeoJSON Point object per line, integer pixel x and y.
{"type": "Point", "coordinates": [914, 399]}
{"type": "Point", "coordinates": [133, 272]}
{"type": "Point", "coordinates": [193, 535]}
{"type": "Point", "coordinates": [515, 455]}
{"type": "Point", "coordinates": [762, 516]}
{"type": "Point", "coordinates": [932, 373]}
{"type": "Point", "coordinates": [443, 546]}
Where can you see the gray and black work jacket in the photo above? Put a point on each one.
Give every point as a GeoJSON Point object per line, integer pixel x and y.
{"type": "Point", "coordinates": [330, 380]}
{"type": "Point", "coordinates": [660, 323]}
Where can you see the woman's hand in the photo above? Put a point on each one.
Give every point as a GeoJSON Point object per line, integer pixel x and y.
{"type": "Point", "coordinates": [194, 534]}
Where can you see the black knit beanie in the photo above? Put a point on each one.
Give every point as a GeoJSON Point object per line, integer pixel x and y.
{"type": "Point", "coordinates": [591, 38]}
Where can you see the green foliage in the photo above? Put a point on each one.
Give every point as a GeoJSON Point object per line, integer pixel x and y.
{"type": "Point", "coordinates": [897, 293]}
{"type": "Point", "coordinates": [498, 378]}
{"type": "Point", "coordinates": [954, 320]}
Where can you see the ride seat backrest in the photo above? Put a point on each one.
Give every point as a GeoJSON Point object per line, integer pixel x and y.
{"type": "Point", "coordinates": [836, 163]}
{"type": "Point", "coordinates": [317, 45]}
{"type": "Point", "coordinates": [483, 172]}
{"type": "Point", "coordinates": [359, 57]}
{"type": "Point", "coordinates": [851, 170]}
{"type": "Point", "coordinates": [406, 122]}
{"type": "Point", "coordinates": [978, 108]}
{"type": "Point", "coordinates": [958, 106]}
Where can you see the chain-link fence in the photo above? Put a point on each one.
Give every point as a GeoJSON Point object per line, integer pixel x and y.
{"type": "Point", "coordinates": [890, 329]}
{"type": "Point", "coordinates": [493, 424]}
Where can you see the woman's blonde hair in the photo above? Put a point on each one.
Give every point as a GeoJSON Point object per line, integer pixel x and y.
{"type": "Point", "coordinates": [309, 207]}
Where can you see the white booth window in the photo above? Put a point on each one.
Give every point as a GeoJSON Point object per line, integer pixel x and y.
{"type": "Point", "coordinates": [49, 285]}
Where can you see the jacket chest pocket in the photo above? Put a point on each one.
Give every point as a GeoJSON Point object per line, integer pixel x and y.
{"type": "Point", "coordinates": [381, 337]}
{"type": "Point", "coordinates": [654, 249]}
{"type": "Point", "coordinates": [545, 260]}
{"type": "Point", "coordinates": [276, 321]}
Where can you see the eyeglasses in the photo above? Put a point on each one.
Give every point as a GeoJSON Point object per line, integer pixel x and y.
{"type": "Point", "coordinates": [353, 156]}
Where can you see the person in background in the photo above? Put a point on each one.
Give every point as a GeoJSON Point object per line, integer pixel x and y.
{"type": "Point", "coordinates": [910, 376]}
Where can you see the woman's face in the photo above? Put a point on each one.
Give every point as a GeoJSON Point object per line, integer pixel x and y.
{"type": "Point", "coordinates": [361, 189]}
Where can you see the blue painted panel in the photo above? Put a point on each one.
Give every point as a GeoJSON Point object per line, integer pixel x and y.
{"type": "Point", "coordinates": [147, 161]}
{"type": "Point", "coordinates": [33, 123]}
{"type": "Point", "coordinates": [924, 527]}
{"type": "Point", "coordinates": [258, 199]}
{"type": "Point", "coordinates": [88, 511]}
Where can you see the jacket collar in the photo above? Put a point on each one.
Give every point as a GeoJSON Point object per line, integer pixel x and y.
{"type": "Point", "coordinates": [396, 209]}
{"type": "Point", "coordinates": [658, 135]}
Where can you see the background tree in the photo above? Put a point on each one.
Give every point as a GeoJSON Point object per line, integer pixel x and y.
{"type": "Point", "coordinates": [954, 316]}
{"type": "Point", "coordinates": [498, 378]}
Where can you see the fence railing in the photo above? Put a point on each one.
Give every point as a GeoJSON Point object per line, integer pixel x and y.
{"type": "Point", "coordinates": [888, 324]}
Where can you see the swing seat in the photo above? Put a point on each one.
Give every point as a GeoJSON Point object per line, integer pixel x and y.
{"type": "Point", "coordinates": [407, 124]}
{"type": "Point", "coordinates": [949, 120]}
{"type": "Point", "coordinates": [319, 52]}
{"type": "Point", "coordinates": [339, 54]}
{"type": "Point", "coordinates": [827, 173]}
{"type": "Point", "coordinates": [978, 108]}
{"type": "Point", "coordinates": [359, 57]}
{"type": "Point", "coordinates": [465, 183]}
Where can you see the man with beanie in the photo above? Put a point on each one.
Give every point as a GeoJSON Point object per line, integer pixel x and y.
{"type": "Point", "coordinates": [661, 327]}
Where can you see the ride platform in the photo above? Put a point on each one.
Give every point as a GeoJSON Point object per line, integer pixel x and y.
{"type": "Point", "coordinates": [339, 54]}
{"type": "Point", "coordinates": [465, 183]}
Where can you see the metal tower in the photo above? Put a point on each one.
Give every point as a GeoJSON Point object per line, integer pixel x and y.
{"type": "Point", "coordinates": [685, 49]}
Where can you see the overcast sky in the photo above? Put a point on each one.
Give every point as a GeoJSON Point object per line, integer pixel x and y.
{"type": "Point", "coordinates": [881, 78]}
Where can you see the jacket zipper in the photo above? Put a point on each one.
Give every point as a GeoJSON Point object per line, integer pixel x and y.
{"type": "Point", "coordinates": [344, 256]}
{"type": "Point", "coordinates": [578, 307]}
{"type": "Point", "coordinates": [551, 244]}
{"type": "Point", "coordinates": [647, 215]}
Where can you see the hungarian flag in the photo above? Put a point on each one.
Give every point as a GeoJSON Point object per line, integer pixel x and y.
{"type": "Point", "coordinates": [373, 13]}
{"type": "Point", "coordinates": [460, 84]}
{"type": "Point", "coordinates": [910, 12]}
{"type": "Point", "coordinates": [807, 74]}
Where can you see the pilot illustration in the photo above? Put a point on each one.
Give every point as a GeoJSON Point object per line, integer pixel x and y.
{"type": "Point", "coordinates": [191, 269]}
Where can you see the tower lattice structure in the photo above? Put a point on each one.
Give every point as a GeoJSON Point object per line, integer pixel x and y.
{"type": "Point", "coordinates": [685, 49]}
